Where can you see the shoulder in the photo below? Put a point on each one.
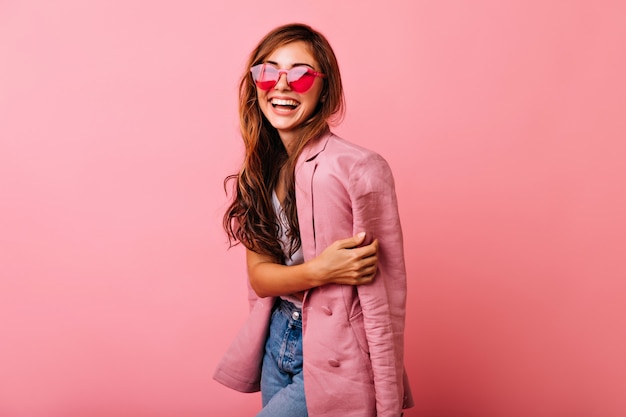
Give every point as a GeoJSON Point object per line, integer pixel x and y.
{"type": "Point", "coordinates": [351, 153]}
{"type": "Point", "coordinates": [363, 167]}
{"type": "Point", "coordinates": [337, 144]}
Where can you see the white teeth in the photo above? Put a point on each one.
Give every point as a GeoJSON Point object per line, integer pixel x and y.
{"type": "Point", "coordinates": [280, 102]}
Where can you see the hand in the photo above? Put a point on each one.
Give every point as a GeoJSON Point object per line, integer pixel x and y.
{"type": "Point", "coordinates": [344, 262]}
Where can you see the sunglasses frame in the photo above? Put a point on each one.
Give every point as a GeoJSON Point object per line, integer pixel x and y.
{"type": "Point", "coordinates": [259, 69]}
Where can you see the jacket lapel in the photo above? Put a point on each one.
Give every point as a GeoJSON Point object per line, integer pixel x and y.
{"type": "Point", "coordinates": [305, 169]}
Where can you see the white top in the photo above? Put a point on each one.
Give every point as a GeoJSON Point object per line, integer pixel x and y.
{"type": "Point", "coordinates": [297, 257]}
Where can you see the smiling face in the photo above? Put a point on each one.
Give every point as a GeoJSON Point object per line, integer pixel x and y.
{"type": "Point", "coordinates": [285, 109]}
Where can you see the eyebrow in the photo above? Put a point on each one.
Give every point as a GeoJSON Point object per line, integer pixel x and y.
{"type": "Point", "coordinates": [297, 64]}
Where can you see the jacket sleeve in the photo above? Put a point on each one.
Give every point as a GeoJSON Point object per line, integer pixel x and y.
{"type": "Point", "coordinates": [383, 301]}
{"type": "Point", "coordinates": [240, 367]}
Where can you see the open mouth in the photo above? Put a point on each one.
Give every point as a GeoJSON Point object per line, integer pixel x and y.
{"type": "Point", "coordinates": [284, 104]}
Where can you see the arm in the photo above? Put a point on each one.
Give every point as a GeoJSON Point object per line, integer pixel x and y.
{"type": "Point", "coordinates": [343, 262]}
{"type": "Point", "coordinates": [383, 301]}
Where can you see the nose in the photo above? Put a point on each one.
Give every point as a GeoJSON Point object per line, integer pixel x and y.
{"type": "Point", "coordinates": [282, 83]}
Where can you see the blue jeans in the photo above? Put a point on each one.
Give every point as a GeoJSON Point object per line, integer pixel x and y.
{"type": "Point", "coordinates": [282, 383]}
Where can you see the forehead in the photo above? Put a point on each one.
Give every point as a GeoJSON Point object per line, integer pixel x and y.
{"type": "Point", "coordinates": [288, 55]}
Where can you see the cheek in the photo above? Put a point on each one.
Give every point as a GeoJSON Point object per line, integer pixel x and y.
{"type": "Point", "coordinates": [317, 91]}
{"type": "Point", "coordinates": [261, 97]}
{"type": "Point", "coordinates": [314, 100]}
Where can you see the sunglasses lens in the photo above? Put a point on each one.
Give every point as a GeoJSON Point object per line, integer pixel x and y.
{"type": "Point", "coordinates": [300, 79]}
{"type": "Point", "coordinates": [264, 76]}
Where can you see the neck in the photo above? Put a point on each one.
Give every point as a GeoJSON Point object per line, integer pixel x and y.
{"type": "Point", "coordinates": [289, 140]}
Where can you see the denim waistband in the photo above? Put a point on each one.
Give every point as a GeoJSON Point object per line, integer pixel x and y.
{"type": "Point", "coordinates": [290, 311]}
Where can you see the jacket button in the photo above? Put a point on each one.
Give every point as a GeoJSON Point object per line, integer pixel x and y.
{"type": "Point", "coordinates": [334, 363]}
{"type": "Point", "coordinates": [327, 310]}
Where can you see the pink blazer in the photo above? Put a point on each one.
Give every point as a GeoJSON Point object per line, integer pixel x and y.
{"type": "Point", "coordinates": [353, 339]}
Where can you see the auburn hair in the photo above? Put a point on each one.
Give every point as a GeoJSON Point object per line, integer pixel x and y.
{"type": "Point", "coordinates": [250, 219]}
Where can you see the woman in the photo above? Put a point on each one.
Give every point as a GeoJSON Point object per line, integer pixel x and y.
{"type": "Point", "coordinates": [300, 190]}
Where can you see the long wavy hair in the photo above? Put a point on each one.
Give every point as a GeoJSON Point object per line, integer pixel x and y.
{"type": "Point", "coordinates": [250, 219]}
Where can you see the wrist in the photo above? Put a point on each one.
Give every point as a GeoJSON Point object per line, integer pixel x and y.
{"type": "Point", "coordinates": [312, 272]}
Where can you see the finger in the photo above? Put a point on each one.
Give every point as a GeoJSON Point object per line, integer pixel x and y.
{"type": "Point", "coordinates": [368, 270]}
{"type": "Point", "coordinates": [365, 279]}
{"type": "Point", "coordinates": [367, 251]}
{"type": "Point", "coordinates": [351, 242]}
{"type": "Point", "coordinates": [369, 261]}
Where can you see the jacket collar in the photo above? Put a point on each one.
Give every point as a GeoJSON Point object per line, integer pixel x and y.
{"type": "Point", "coordinates": [315, 146]}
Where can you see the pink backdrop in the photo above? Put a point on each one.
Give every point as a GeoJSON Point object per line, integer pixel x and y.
{"type": "Point", "coordinates": [504, 123]}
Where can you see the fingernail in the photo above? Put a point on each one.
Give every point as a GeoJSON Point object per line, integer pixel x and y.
{"type": "Point", "coordinates": [360, 235]}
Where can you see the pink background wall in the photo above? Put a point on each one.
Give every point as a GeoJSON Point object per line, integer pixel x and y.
{"type": "Point", "coordinates": [504, 123]}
